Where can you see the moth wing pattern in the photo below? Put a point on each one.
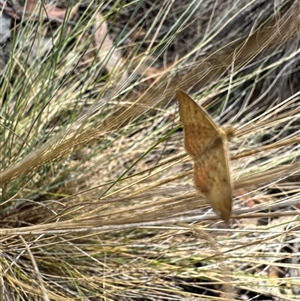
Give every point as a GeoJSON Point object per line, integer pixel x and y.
{"type": "Point", "coordinates": [206, 143]}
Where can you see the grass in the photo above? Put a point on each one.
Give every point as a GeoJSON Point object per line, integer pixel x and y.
{"type": "Point", "coordinates": [98, 201]}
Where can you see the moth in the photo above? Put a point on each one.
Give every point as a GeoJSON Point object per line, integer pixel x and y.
{"type": "Point", "coordinates": [206, 143]}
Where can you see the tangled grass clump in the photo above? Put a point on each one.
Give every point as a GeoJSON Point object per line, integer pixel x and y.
{"type": "Point", "coordinates": [97, 195]}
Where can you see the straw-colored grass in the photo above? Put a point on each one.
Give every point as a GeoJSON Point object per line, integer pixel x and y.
{"type": "Point", "coordinates": [98, 201]}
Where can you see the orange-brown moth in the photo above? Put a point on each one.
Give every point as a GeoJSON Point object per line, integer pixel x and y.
{"type": "Point", "coordinates": [206, 143]}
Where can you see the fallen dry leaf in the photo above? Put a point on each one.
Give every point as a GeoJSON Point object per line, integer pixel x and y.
{"type": "Point", "coordinates": [31, 9]}
{"type": "Point", "coordinates": [206, 143]}
{"type": "Point", "coordinates": [107, 51]}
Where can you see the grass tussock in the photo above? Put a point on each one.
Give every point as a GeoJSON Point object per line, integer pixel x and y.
{"type": "Point", "coordinates": [97, 198]}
